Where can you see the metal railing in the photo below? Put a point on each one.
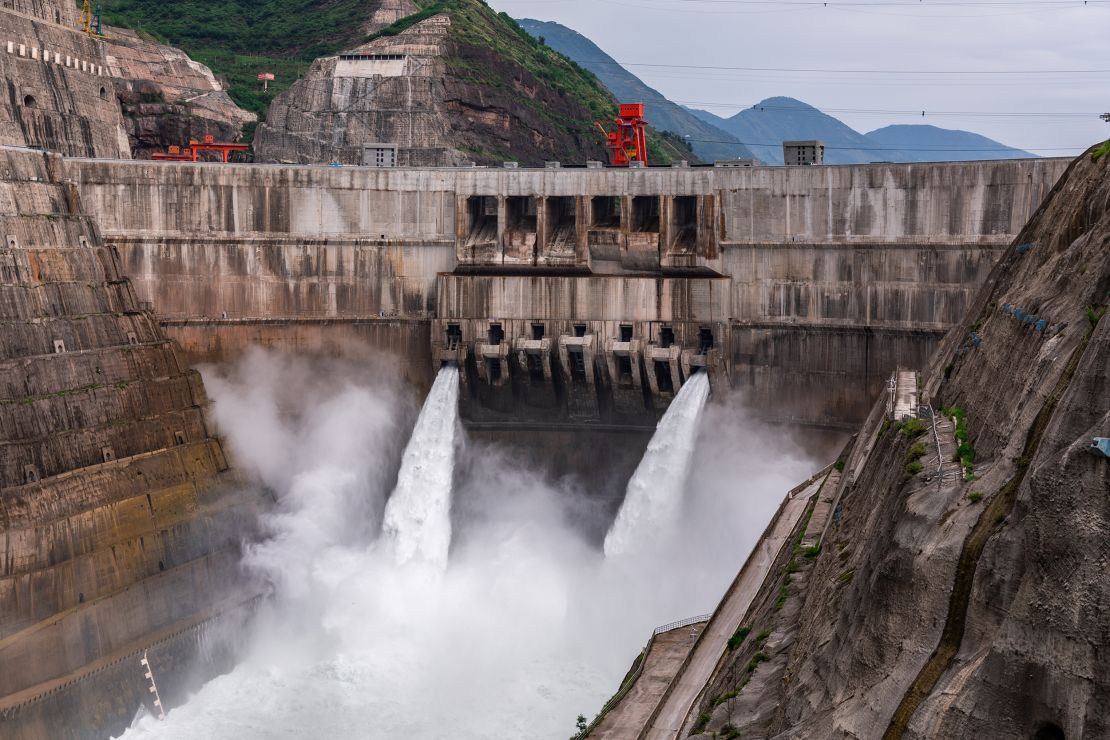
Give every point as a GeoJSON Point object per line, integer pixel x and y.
{"type": "Point", "coordinates": [682, 623]}
{"type": "Point", "coordinates": [926, 410]}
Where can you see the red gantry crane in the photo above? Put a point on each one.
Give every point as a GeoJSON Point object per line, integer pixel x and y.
{"type": "Point", "coordinates": [629, 142]}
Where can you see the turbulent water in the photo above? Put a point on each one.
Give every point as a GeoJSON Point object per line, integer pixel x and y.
{"type": "Point", "coordinates": [418, 516]}
{"type": "Point", "coordinates": [528, 625]}
{"type": "Point", "coordinates": [654, 494]}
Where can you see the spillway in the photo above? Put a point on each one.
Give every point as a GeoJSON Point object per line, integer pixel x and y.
{"type": "Point", "coordinates": [417, 523]}
{"type": "Point", "coordinates": [652, 499]}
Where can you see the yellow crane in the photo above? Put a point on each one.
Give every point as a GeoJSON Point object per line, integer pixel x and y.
{"type": "Point", "coordinates": [90, 20]}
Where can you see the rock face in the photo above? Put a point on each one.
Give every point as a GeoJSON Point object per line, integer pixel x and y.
{"type": "Point", "coordinates": [944, 604]}
{"type": "Point", "coordinates": [118, 519]}
{"type": "Point", "coordinates": [442, 100]}
{"type": "Point", "coordinates": [166, 97]}
{"type": "Point", "coordinates": [58, 91]}
{"type": "Point", "coordinates": [66, 90]}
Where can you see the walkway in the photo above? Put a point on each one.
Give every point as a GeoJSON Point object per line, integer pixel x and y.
{"type": "Point", "coordinates": [664, 659]}
{"type": "Point", "coordinates": [696, 672]}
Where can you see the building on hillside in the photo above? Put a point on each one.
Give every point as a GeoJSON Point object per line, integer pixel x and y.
{"type": "Point", "coordinates": [803, 152]}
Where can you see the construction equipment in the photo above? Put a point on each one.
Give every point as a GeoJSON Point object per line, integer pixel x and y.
{"type": "Point", "coordinates": [90, 19]}
{"type": "Point", "coordinates": [628, 143]}
{"type": "Point", "coordinates": [192, 152]}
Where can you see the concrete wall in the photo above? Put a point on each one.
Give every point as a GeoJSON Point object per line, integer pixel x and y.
{"type": "Point", "coordinates": [118, 520]}
{"type": "Point", "coordinates": [836, 274]}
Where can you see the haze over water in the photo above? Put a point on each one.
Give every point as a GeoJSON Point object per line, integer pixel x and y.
{"type": "Point", "coordinates": [527, 626]}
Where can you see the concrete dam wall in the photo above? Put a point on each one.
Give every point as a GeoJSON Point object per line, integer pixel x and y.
{"type": "Point", "coordinates": [120, 522]}
{"type": "Point", "coordinates": [802, 286]}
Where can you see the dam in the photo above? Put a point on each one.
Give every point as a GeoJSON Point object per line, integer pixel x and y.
{"type": "Point", "coordinates": [576, 303]}
{"type": "Point", "coordinates": [595, 291]}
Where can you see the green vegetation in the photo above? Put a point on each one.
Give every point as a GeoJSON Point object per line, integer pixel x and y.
{"type": "Point", "coordinates": [700, 725]}
{"type": "Point", "coordinates": [1095, 314]}
{"type": "Point", "coordinates": [738, 636]}
{"type": "Point", "coordinates": [717, 701]}
{"type": "Point", "coordinates": [912, 428]}
{"type": "Point", "coordinates": [781, 599]}
{"type": "Point", "coordinates": [762, 636]}
{"type": "Point", "coordinates": [812, 551]}
{"type": "Point", "coordinates": [839, 466]}
{"type": "Point", "coordinates": [965, 452]}
{"type": "Point", "coordinates": [1101, 151]}
{"type": "Point", "coordinates": [728, 732]}
{"type": "Point", "coordinates": [758, 658]}
{"type": "Point", "coordinates": [913, 459]}
{"type": "Point", "coordinates": [975, 497]}
{"type": "Point", "coordinates": [240, 38]}
{"type": "Point", "coordinates": [846, 576]}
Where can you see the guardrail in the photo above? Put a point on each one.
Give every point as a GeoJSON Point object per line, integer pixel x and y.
{"type": "Point", "coordinates": [634, 676]}
{"type": "Point", "coordinates": [682, 623]}
{"type": "Point", "coordinates": [926, 410]}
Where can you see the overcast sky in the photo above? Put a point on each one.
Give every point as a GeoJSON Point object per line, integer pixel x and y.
{"type": "Point", "coordinates": [1012, 36]}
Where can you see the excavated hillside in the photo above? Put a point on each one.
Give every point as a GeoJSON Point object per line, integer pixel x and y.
{"type": "Point", "coordinates": [961, 588]}
{"type": "Point", "coordinates": [451, 83]}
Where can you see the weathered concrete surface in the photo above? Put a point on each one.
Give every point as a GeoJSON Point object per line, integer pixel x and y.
{"type": "Point", "coordinates": [932, 612]}
{"type": "Point", "coordinates": [664, 658]}
{"type": "Point", "coordinates": [690, 681]}
{"type": "Point", "coordinates": [118, 519]}
{"type": "Point", "coordinates": [834, 275]}
{"type": "Point", "coordinates": [58, 91]}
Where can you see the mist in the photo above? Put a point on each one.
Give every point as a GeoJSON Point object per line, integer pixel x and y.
{"type": "Point", "coordinates": [526, 627]}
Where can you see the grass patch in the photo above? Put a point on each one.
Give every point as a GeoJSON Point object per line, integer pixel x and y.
{"type": "Point", "coordinates": [728, 732]}
{"type": "Point", "coordinates": [913, 459]}
{"type": "Point", "coordinates": [975, 497]}
{"type": "Point", "coordinates": [846, 576]}
{"type": "Point", "coordinates": [839, 466]}
{"type": "Point", "coordinates": [912, 428]}
{"type": "Point", "coordinates": [965, 451]}
{"type": "Point", "coordinates": [700, 725]}
{"type": "Point", "coordinates": [781, 599]}
{"type": "Point", "coordinates": [758, 658]}
{"type": "Point", "coordinates": [762, 636]}
{"type": "Point", "coordinates": [812, 551]}
{"type": "Point", "coordinates": [717, 701]}
{"type": "Point", "coordinates": [738, 637]}
{"type": "Point", "coordinates": [1095, 313]}
{"type": "Point", "coordinates": [1101, 151]}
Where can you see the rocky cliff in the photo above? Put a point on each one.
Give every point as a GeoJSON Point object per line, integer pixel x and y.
{"type": "Point", "coordinates": [961, 587]}
{"type": "Point", "coordinates": [167, 98]}
{"type": "Point", "coordinates": [454, 83]}
{"type": "Point", "coordinates": [119, 523]}
{"type": "Point", "coordinates": [58, 92]}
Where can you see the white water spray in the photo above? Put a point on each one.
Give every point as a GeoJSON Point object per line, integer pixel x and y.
{"type": "Point", "coordinates": [418, 516]}
{"type": "Point", "coordinates": [652, 499]}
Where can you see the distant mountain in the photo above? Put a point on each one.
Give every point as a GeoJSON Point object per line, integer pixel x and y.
{"type": "Point", "coordinates": [929, 143]}
{"type": "Point", "coordinates": [763, 128]}
{"type": "Point", "coordinates": [710, 143]}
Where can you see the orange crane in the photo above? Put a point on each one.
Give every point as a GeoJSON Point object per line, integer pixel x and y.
{"type": "Point", "coordinates": [629, 142]}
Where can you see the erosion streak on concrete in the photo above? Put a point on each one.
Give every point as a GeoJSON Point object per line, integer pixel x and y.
{"type": "Point", "coordinates": [995, 513]}
{"type": "Point", "coordinates": [664, 658]}
{"type": "Point", "coordinates": [695, 673]}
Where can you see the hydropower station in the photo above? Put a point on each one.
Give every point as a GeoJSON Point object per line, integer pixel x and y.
{"type": "Point", "coordinates": [516, 445]}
